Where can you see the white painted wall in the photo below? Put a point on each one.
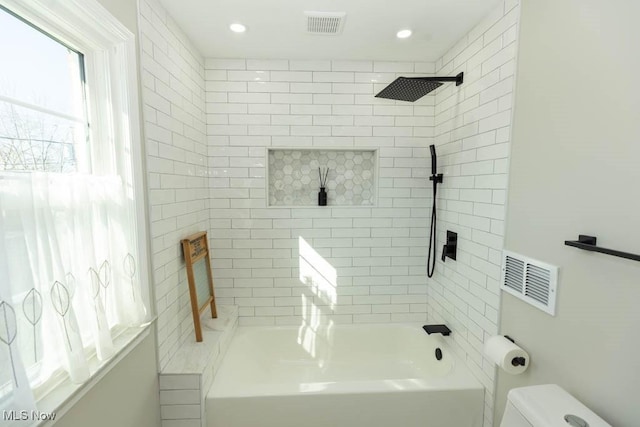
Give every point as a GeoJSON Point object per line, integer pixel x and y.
{"type": "Point", "coordinates": [575, 170]}
{"type": "Point", "coordinates": [376, 253]}
{"type": "Point", "coordinates": [472, 137]}
{"type": "Point", "coordinates": [128, 395]}
{"type": "Point", "coordinates": [174, 122]}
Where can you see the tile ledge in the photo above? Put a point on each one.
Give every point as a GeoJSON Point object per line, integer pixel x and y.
{"type": "Point", "coordinates": [197, 357]}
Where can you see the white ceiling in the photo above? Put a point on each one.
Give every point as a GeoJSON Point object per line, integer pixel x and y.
{"type": "Point", "coordinates": [277, 28]}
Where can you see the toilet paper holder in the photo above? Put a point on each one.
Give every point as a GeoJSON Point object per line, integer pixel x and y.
{"type": "Point", "coordinates": [516, 361]}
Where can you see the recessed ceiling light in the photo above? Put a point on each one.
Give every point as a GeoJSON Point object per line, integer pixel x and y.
{"type": "Point", "coordinates": [403, 34]}
{"type": "Point", "coordinates": [237, 28]}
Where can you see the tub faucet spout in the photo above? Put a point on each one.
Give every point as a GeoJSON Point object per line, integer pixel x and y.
{"type": "Point", "coordinates": [437, 329]}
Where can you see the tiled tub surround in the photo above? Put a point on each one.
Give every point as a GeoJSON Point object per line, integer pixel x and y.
{"type": "Point", "coordinates": [472, 134]}
{"type": "Point", "coordinates": [190, 372]}
{"type": "Point", "coordinates": [294, 177]}
{"type": "Point", "coordinates": [172, 73]}
{"type": "Point", "coordinates": [282, 265]}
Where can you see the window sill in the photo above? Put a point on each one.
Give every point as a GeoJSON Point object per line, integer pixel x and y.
{"type": "Point", "coordinates": [61, 398]}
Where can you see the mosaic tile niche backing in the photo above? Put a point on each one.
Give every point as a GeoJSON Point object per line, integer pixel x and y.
{"type": "Point", "coordinates": [294, 181]}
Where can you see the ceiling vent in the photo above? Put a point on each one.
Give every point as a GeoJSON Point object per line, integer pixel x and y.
{"type": "Point", "coordinates": [530, 280]}
{"type": "Point", "coordinates": [325, 23]}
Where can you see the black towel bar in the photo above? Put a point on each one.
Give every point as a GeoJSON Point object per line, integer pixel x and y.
{"type": "Point", "coordinates": [588, 243]}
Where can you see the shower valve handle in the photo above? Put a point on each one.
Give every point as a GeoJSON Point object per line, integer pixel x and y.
{"type": "Point", "coordinates": [450, 249]}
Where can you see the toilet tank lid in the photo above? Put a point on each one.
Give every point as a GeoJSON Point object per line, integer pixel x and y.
{"type": "Point", "coordinates": [547, 405]}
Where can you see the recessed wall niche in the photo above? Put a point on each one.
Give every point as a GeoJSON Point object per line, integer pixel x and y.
{"type": "Point", "coordinates": [293, 178]}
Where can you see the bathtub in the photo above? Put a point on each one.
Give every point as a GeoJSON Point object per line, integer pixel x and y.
{"type": "Point", "coordinates": [342, 376]}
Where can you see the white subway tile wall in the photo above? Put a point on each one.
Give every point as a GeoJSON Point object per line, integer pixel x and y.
{"type": "Point", "coordinates": [472, 133]}
{"type": "Point", "coordinates": [181, 400]}
{"type": "Point", "coordinates": [333, 264]}
{"type": "Point", "coordinates": [185, 381]}
{"type": "Point", "coordinates": [284, 265]}
{"type": "Point", "coordinates": [172, 74]}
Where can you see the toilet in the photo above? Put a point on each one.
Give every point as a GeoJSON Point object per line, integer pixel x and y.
{"type": "Point", "coordinates": [547, 406]}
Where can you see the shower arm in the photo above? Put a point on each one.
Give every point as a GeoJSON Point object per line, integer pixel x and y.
{"type": "Point", "coordinates": [458, 79]}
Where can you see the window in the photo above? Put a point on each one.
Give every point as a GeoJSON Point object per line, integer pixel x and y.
{"type": "Point", "coordinates": [72, 251]}
{"type": "Point", "coordinates": [43, 120]}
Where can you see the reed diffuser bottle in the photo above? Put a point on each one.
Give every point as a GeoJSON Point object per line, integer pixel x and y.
{"type": "Point", "coordinates": [322, 194]}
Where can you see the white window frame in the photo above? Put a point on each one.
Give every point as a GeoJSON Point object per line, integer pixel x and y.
{"type": "Point", "coordinates": [110, 57]}
{"type": "Point", "coordinates": [83, 162]}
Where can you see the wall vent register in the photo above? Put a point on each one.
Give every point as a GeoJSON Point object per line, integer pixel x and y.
{"type": "Point", "coordinates": [530, 280]}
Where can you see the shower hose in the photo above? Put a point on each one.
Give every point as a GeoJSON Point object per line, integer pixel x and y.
{"type": "Point", "coordinates": [431, 265]}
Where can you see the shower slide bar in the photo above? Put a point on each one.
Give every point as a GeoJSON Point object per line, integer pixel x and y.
{"type": "Point", "coordinates": [588, 243]}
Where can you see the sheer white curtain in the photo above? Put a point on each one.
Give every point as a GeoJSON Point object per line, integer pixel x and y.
{"type": "Point", "coordinates": [68, 274]}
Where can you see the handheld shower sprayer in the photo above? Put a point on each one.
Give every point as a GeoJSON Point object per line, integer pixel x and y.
{"type": "Point", "coordinates": [437, 179]}
{"type": "Point", "coordinates": [434, 160]}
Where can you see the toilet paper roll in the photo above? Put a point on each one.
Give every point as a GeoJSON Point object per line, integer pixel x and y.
{"type": "Point", "coordinates": [508, 356]}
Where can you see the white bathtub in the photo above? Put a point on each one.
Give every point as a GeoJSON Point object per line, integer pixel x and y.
{"type": "Point", "coordinates": [342, 376]}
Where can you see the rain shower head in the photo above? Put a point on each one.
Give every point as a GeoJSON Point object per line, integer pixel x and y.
{"type": "Point", "coordinates": [413, 88]}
